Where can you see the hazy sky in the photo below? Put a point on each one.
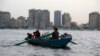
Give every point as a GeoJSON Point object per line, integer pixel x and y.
{"type": "Point", "coordinates": [78, 9]}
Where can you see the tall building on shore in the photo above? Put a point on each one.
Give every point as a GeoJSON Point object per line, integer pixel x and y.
{"type": "Point", "coordinates": [57, 18]}
{"type": "Point", "coordinates": [21, 22]}
{"type": "Point", "coordinates": [66, 20]}
{"type": "Point", "coordinates": [39, 18]}
{"type": "Point", "coordinates": [13, 22]}
{"type": "Point", "coordinates": [5, 19]}
{"type": "Point", "coordinates": [31, 18]}
{"type": "Point", "coordinates": [45, 19]}
{"type": "Point", "coordinates": [94, 20]}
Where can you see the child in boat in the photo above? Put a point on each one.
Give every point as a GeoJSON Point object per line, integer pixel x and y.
{"type": "Point", "coordinates": [55, 34]}
{"type": "Point", "coordinates": [36, 34]}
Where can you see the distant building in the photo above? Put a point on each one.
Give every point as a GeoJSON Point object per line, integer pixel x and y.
{"type": "Point", "coordinates": [31, 18]}
{"type": "Point", "coordinates": [13, 22]}
{"type": "Point", "coordinates": [83, 26]}
{"type": "Point", "coordinates": [21, 22]}
{"type": "Point", "coordinates": [0, 14]}
{"type": "Point", "coordinates": [66, 20]}
{"type": "Point", "coordinates": [99, 22]}
{"type": "Point", "coordinates": [51, 24]}
{"type": "Point", "coordinates": [5, 19]}
{"type": "Point", "coordinates": [94, 20]}
{"type": "Point", "coordinates": [57, 18]}
{"type": "Point", "coordinates": [73, 25]}
{"type": "Point", "coordinates": [27, 22]}
{"type": "Point", "coordinates": [45, 19]}
{"type": "Point", "coordinates": [39, 19]}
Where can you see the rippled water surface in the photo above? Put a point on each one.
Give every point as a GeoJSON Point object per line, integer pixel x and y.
{"type": "Point", "coordinates": [88, 44]}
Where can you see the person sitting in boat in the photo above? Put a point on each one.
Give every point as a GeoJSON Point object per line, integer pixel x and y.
{"type": "Point", "coordinates": [55, 34]}
{"type": "Point", "coordinates": [29, 35]}
{"type": "Point", "coordinates": [68, 34]}
{"type": "Point", "coordinates": [36, 34]}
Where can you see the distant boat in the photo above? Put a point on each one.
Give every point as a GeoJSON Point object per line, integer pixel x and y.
{"type": "Point", "coordinates": [62, 42]}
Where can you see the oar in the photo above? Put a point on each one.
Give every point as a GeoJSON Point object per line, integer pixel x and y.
{"type": "Point", "coordinates": [30, 40]}
{"type": "Point", "coordinates": [73, 42]}
{"type": "Point", "coordinates": [23, 42]}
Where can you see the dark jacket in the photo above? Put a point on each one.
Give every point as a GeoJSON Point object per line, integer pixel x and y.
{"type": "Point", "coordinates": [37, 34]}
{"type": "Point", "coordinates": [55, 35]}
{"type": "Point", "coordinates": [29, 36]}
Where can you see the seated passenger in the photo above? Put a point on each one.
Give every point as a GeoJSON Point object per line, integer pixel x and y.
{"type": "Point", "coordinates": [68, 34]}
{"type": "Point", "coordinates": [55, 34]}
{"type": "Point", "coordinates": [36, 34]}
{"type": "Point", "coordinates": [28, 36]}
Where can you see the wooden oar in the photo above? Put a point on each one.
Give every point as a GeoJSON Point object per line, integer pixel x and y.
{"type": "Point", "coordinates": [73, 42]}
{"type": "Point", "coordinates": [31, 40]}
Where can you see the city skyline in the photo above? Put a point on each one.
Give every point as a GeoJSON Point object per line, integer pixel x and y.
{"type": "Point", "coordinates": [79, 10]}
{"type": "Point", "coordinates": [50, 15]}
{"type": "Point", "coordinates": [41, 19]}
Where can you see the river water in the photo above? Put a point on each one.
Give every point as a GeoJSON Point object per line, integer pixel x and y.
{"type": "Point", "coordinates": [88, 44]}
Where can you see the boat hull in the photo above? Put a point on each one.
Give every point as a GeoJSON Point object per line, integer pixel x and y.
{"type": "Point", "coordinates": [51, 42]}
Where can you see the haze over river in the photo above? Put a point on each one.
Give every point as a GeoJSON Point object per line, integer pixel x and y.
{"type": "Point", "coordinates": [88, 44]}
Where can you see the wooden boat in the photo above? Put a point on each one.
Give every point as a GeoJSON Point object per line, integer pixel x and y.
{"type": "Point", "coordinates": [62, 42]}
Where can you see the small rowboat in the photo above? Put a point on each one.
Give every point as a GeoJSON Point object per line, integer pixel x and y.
{"type": "Point", "coordinates": [62, 42]}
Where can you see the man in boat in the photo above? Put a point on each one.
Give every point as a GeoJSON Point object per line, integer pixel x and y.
{"type": "Point", "coordinates": [55, 34]}
{"type": "Point", "coordinates": [29, 35]}
{"type": "Point", "coordinates": [36, 34]}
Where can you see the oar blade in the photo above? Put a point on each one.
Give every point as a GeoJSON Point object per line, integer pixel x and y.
{"type": "Point", "coordinates": [20, 43]}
